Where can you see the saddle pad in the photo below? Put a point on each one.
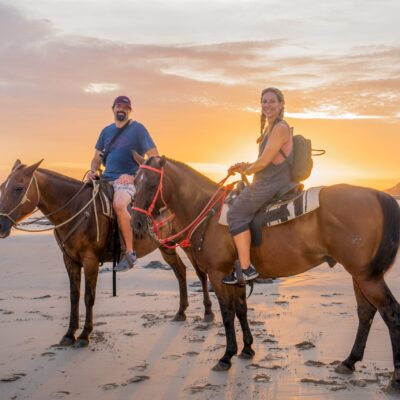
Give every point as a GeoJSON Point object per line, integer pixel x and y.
{"type": "Point", "coordinates": [279, 212]}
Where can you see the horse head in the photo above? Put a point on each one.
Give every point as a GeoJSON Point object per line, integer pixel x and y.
{"type": "Point", "coordinates": [19, 196]}
{"type": "Point", "coordinates": [149, 196]}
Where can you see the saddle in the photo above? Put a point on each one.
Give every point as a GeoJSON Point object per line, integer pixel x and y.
{"type": "Point", "coordinates": [287, 205]}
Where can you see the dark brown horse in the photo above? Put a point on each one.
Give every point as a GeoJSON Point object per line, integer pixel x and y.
{"type": "Point", "coordinates": [29, 187]}
{"type": "Point", "coordinates": [357, 227]}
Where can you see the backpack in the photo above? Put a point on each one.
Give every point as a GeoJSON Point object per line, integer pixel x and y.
{"type": "Point", "coordinates": [302, 162]}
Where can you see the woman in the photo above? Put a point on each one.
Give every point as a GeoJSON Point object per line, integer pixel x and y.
{"type": "Point", "coordinates": [271, 177]}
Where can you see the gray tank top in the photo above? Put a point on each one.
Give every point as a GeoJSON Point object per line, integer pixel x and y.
{"type": "Point", "coordinates": [273, 170]}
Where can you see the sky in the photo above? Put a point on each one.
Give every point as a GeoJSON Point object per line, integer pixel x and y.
{"type": "Point", "coordinates": [194, 70]}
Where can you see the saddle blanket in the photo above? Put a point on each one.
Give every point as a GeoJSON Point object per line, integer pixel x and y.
{"type": "Point", "coordinates": [280, 211]}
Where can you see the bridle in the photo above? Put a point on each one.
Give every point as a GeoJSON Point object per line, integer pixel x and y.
{"type": "Point", "coordinates": [23, 200]}
{"type": "Point", "coordinates": [217, 197]}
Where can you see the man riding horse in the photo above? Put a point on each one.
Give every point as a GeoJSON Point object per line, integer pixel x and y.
{"type": "Point", "coordinates": [114, 150]}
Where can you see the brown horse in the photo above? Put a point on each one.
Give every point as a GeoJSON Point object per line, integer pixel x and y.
{"type": "Point", "coordinates": [29, 187]}
{"type": "Point", "coordinates": [357, 227]}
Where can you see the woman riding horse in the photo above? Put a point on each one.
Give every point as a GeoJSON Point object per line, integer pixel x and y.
{"type": "Point", "coordinates": [271, 176]}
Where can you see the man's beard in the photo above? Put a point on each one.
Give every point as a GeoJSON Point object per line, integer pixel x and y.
{"type": "Point", "coordinates": [121, 116]}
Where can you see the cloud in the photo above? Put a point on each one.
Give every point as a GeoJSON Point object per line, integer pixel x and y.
{"type": "Point", "coordinates": [101, 87]}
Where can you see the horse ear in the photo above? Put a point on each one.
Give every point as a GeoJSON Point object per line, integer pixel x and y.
{"type": "Point", "coordinates": [163, 160]}
{"type": "Point", "coordinates": [31, 169]}
{"type": "Point", "coordinates": [137, 157]}
{"type": "Point", "coordinates": [16, 165]}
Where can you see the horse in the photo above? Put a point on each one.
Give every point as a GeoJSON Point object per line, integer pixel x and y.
{"type": "Point", "coordinates": [354, 226]}
{"type": "Point", "coordinates": [83, 237]}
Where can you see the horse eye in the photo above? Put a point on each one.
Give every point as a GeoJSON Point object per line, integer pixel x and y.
{"type": "Point", "coordinates": [19, 189]}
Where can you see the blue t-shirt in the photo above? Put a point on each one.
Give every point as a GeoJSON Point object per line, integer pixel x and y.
{"type": "Point", "coordinates": [119, 159]}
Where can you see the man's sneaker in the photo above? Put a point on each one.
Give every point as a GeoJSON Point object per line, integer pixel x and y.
{"type": "Point", "coordinates": [249, 273]}
{"type": "Point", "coordinates": [231, 279]}
{"type": "Point", "coordinates": [127, 262]}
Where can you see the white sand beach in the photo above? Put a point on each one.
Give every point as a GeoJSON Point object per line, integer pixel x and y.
{"type": "Point", "coordinates": [137, 352]}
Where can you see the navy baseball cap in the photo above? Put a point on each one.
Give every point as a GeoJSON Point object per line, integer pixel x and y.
{"type": "Point", "coordinates": [123, 100]}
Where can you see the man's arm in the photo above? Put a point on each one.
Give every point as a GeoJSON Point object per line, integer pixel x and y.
{"type": "Point", "coordinates": [94, 165]}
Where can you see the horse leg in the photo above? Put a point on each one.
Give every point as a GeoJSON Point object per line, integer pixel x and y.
{"type": "Point", "coordinates": [226, 298]}
{"type": "Point", "coordinates": [179, 268]}
{"type": "Point", "coordinates": [91, 270]}
{"type": "Point", "coordinates": [241, 312]}
{"type": "Point", "coordinates": [208, 314]}
{"type": "Point", "coordinates": [366, 312]}
{"type": "Point", "coordinates": [377, 292]}
{"type": "Point", "coordinates": [74, 274]}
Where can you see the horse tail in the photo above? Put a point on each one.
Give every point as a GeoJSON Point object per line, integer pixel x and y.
{"type": "Point", "coordinates": [390, 239]}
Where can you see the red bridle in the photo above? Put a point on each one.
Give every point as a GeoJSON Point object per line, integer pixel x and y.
{"type": "Point", "coordinates": [215, 198]}
{"type": "Point", "coordinates": [158, 192]}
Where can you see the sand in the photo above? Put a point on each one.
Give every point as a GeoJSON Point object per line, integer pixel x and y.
{"type": "Point", "coordinates": [301, 326]}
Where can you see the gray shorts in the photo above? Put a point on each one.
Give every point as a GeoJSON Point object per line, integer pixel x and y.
{"type": "Point", "coordinates": [253, 197]}
{"type": "Point", "coordinates": [128, 188]}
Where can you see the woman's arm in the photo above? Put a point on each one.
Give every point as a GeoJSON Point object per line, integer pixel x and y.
{"type": "Point", "coordinates": [280, 134]}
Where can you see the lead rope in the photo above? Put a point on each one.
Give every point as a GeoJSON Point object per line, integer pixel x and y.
{"type": "Point", "coordinates": [95, 192]}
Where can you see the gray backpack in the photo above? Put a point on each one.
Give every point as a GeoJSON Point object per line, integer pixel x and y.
{"type": "Point", "coordinates": [302, 162]}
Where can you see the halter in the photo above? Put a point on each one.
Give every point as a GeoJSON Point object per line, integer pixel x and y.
{"type": "Point", "coordinates": [217, 197]}
{"type": "Point", "coordinates": [23, 200]}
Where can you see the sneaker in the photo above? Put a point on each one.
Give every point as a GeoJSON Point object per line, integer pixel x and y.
{"type": "Point", "coordinates": [127, 262]}
{"type": "Point", "coordinates": [249, 273]}
{"type": "Point", "coordinates": [231, 279]}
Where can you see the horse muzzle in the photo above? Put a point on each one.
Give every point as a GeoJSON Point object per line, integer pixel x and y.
{"type": "Point", "coordinates": [5, 227]}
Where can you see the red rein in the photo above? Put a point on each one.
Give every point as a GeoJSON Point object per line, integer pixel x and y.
{"type": "Point", "coordinates": [217, 197]}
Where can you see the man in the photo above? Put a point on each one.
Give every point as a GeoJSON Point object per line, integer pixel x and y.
{"type": "Point", "coordinates": [114, 149]}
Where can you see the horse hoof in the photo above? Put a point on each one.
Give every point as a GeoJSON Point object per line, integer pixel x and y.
{"type": "Point", "coordinates": [67, 341]}
{"type": "Point", "coordinates": [221, 366]}
{"type": "Point", "coordinates": [80, 343]}
{"type": "Point", "coordinates": [209, 317]}
{"type": "Point", "coordinates": [247, 355]}
{"type": "Point", "coordinates": [179, 318]}
{"type": "Point", "coordinates": [344, 369]}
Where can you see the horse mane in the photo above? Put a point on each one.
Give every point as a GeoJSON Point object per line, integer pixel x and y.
{"type": "Point", "coordinates": [65, 178]}
{"type": "Point", "coordinates": [198, 174]}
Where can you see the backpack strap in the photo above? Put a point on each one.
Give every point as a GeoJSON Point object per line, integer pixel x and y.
{"type": "Point", "coordinates": [112, 141]}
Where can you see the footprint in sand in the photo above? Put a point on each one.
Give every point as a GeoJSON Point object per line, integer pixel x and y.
{"type": "Point", "coordinates": [191, 353]}
{"type": "Point", "coordinates": [171, 357]}
{"type": "Point", "coordinates": [305, 345]}
{"type": "Point", "coordinates": [262, 378]}
{"type": "Point", "coordinates": [130, 333]}
{"type": "Point", "coordinates": [137, 379]}
{"type": "Point", "coordinates": [201, 388]}
{"type": "Point", "coordinates": [48, 354]}
{"type": "Point", "coordinates": [59, 394]}
{"type": "Point", "coordinates": [109, 386]}
{"type": "Point", "coordinates": [312, 363]}
{"type": "Point", "coordinates": [13, 377]}
{"type": "Point", "coordinates": [140, 367]}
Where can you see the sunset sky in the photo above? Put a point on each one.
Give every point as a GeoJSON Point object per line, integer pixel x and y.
{"type": "Point", "coordinates": [194, 70]}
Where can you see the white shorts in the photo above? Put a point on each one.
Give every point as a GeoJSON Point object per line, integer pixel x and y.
{"type": "Point", "coordinates": [124, 187]}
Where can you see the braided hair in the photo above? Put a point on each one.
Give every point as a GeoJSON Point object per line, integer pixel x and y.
{"type": "Point", "coordinates": [263, 118]}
